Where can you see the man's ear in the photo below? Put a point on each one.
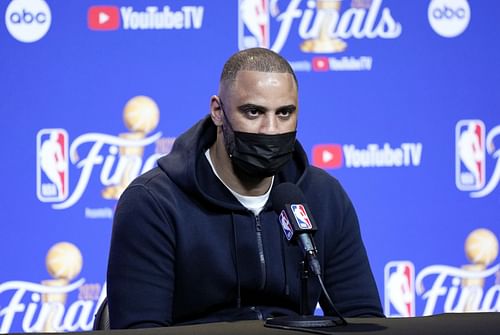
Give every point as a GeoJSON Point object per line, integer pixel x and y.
{"type": "Point", "coordinates": [216, 110]}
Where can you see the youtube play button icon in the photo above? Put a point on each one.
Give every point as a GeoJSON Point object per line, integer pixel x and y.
{"type": "Point", "coordinates": [103, 18]}
{"type": "Point", "coordinates": [327, 156]}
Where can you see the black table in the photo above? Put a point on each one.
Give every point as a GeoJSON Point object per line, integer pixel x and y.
{"type": "Point", "coordinates": [453, 324]}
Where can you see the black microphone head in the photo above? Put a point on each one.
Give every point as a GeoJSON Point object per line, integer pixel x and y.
{"type": "Point", "coordinates": [297, 223]}
{"type": "Point", "coordinates": [286, 193]}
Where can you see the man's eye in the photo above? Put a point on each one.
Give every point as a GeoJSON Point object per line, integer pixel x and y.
{"type": "Point", "coordinates": [252, 112]}
{"type": "Point", "coordinates": [285, 114]}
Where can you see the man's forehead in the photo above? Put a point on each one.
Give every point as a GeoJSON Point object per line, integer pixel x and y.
{"type": "Point", "coordinates": [253, 73]}
{"type": "Point", "coordinates": [249, 78]}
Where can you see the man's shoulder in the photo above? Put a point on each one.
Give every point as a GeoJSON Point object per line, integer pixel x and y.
{"type": "Point", "coordinates": [154, 180]}
{"type": "Point", "coordinates": [320, 182]}
{"type": "Point", "coordinates": [321, 178]}
{"type": "Point", "coordinates": [153, 186]}
{"type": "Point", "coordinates": [149, 178]}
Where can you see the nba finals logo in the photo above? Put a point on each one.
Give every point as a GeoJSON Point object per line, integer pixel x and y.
{"type": "Point", "coordinates": [43, 306]}
{"type": "Point", "coordinates": [472, 144]}
{"type": "Point", "coordinates": [121, 158]}
{"type": "Point", "coordinates": [445, 288]}
{"type": "Point", "coordinates": [321, 25]}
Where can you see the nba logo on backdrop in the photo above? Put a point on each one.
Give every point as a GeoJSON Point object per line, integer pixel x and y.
{"type": "Point", "coordinates": [470, 155]}
{"type": "Point", "coordinates": [473, 146]}
{"type": "Point", "coordinates": [253, 24]}
{"type": "Point", "coordinates": [52, 165]}
{"type": "Point", "coordinates": [399, 293]}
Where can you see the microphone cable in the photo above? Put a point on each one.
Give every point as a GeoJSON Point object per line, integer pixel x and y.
{"type": "Point", "coordinates": [330, 302]}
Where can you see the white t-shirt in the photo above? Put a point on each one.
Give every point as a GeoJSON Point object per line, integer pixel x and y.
{"type": "Point", "coordinates": [256, 203]}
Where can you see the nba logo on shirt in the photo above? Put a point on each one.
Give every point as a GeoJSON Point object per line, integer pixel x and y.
{"type": "Point", "coordinates": [399, 289]}
{"type": "Point", "coordinates": [470, 155]}
{"type": "Point", "coordinates": [300, 214]}
{"type": "Point", "coordinates": [52, 165]}
{"type": "Point", "coordinates": [285, 224]}
{"type": "Point", "coordinates": [253, 24]}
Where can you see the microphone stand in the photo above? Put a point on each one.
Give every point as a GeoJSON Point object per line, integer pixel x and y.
{"type": "Point", "coordinates": [304, 290]}
{"type": "Point", "coordinates": [303, 320]}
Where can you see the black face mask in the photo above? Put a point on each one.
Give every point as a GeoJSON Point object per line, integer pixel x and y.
{"type": "Point", "coordinates": [259, 155]}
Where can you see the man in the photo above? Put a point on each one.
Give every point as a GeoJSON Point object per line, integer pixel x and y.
{"type": "Point", "coordinates": [195, 239]}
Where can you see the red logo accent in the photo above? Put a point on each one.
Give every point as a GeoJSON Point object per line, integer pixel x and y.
{"type": "Point", "coordinates": [327, 156]}
{"type": "Point", "coordinates": [320, 64]}
{"type": "Point", "coordinates": [103, 18]}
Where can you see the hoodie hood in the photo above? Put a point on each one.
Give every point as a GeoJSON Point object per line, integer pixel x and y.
{"type": "Point", "coordinates": [187, 166]}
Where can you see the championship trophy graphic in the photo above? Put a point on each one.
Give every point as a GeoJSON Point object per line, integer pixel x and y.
{"type": "Point", "coordinates": [481, 248]}
{"type": "Point", "coordinates": [64, 262]}
{"type": "Point", "coordinates": [141, 115]}
{"type": "Point", "coordinates": [329, 9]}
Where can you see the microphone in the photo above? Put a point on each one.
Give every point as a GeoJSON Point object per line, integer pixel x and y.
{"type": "Point", "coordinates": [296, 221]}
{"type": "Point", "coordinates": [298, 225]}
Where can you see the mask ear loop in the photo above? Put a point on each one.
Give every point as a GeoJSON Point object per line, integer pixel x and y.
{"type": "Point", "coordinates": [226, 120]}
{"type": "Point", "coordinates": [221, 105]}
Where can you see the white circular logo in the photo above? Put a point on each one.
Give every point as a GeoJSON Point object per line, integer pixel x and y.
{"type": "Point", "coordinates": [449, 18]}
{"type": "Point", "coordinates": [28, 20]}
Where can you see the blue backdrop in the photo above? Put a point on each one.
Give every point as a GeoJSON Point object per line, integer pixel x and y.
{"type": "Point", "coordinates": [399, 100]}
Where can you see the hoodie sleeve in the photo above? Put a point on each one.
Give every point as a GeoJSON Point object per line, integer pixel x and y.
{"type": "Point", "coordinates": [140, 278]}
{"type": "Point", "coordinates": [347, 273]}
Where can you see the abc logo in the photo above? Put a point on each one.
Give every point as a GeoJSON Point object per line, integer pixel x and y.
{"type": "Point", "coordinates": [28, 20]}
{"type": "Point", "coordinates": [449, 18]}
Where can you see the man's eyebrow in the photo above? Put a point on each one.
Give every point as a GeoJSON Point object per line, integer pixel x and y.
{"type": "Point", "coordinates": [287, 108]}
{"type": "Point", "coordinates": [251, 107]}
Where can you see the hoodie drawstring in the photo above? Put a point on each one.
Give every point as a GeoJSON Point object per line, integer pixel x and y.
{"type": "Point", "coordinates": [237, 264]}
{"type": "Point", "coordinates": [283, 259]}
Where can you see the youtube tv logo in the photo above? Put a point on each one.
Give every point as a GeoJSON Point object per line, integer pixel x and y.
{"type": "Point", "coordinates": [320, 64]}
{"type": "Point", "coordinates": [103, 18]}
{"type": "Point", "coordinates": [327, 156]}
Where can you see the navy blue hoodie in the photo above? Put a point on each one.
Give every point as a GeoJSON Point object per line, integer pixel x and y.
{"type": "Point", "coordinates": [184, 250]}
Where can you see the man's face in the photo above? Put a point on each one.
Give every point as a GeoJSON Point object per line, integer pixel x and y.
{"type": "Point", "coordinates": [261, 102]}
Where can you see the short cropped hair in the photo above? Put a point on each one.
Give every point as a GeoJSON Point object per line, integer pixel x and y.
{"type": "Point", "coordinates": [256, 59]}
